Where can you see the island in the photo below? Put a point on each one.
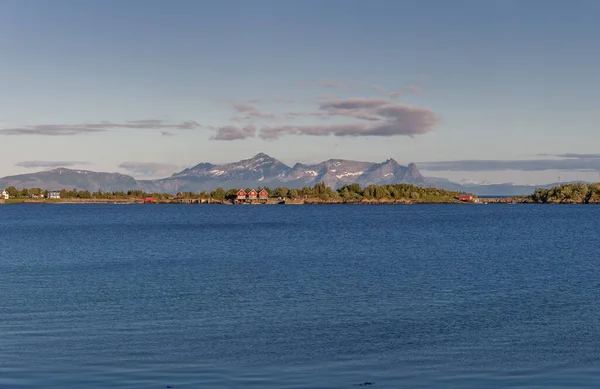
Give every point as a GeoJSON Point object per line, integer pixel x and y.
{"type": "Point", "coordinates": [575, 193]}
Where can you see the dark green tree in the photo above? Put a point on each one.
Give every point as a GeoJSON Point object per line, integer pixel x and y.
{"type": "Point", "coordinates": [231, 194]}
{"type": "Point", "coordinates": [12, 191]}
{"type": "Point", "coordinates": [218, 193]}
{"type": "Point", "coordinates": [281, 191]}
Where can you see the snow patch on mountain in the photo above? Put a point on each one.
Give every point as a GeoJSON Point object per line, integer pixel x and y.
{"type": "Point", "coordinates": [350, 174]}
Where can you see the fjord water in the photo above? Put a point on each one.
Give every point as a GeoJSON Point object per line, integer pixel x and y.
{"type": "Point", "coordinates": [424, 296]}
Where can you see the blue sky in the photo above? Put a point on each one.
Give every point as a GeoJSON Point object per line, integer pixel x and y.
{"type": "Point", "coordinates": [469, 90]}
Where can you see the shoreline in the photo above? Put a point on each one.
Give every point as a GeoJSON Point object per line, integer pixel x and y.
{"type": "Point", "coordinates": [487, 201]}
{"type": "Point", "coordinates": [304, 201]}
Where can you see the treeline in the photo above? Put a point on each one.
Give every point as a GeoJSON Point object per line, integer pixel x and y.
{"type": "Point", "coordinates": [15, 193]}
{"type": "Point", "coordinates": [352, 192]}
{"type": "Point", "coordinates": [321, 190]}
{"type": "Point", "coordinates": [568, 193]}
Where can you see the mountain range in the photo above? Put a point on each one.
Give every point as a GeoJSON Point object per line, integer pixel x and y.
{"type": "Point", "coordinates": [259, 170]}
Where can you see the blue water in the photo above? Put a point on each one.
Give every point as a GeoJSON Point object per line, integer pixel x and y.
{"type": "Point", "coordinates": [196, 296]}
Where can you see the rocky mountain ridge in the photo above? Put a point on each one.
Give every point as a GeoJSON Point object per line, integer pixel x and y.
{"type": "Point", "coordinates": [260, 170]}
{"type": "Point", "coordinates": [268, 171]}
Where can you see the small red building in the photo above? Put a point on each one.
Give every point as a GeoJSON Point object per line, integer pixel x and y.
{"type": "Point", "coordinates": [263, 195]}
{"type": "Point", "coordinates": [241, 195]}
{"type": "Point", "coordinates": [466, 197]}
{"type": "Point", "coordinates": [252, 195]}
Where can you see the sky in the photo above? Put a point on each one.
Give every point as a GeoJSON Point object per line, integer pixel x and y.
{"type": "Point", "coordinates": [473, 91]}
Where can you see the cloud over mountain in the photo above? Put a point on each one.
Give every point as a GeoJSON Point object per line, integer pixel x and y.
{"type": "Point", "coordinates": [374, 117]}
{"type": "Point", "coordinates": [234, 133]}
{"type": "Point", "coordinates": [50, 164]}
{"type": "Point", "coordinates": [389, 119]}
{"type": "Point", "coordinates": [572, 164]}
{"type": "Point", "coordinates": [148, 169]}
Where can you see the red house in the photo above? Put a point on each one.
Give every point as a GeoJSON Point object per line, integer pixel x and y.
{"type": "Point", "coordinates": [241, 195]}
{"type": "Point", "coordinates": [263, 195]}
{"type": "Point", "coordinates": [252, 195]}
{"type": "Point", "coordinates": [468, 197]}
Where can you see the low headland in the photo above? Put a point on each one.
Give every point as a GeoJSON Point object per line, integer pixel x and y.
{"type": "Point", "coordinates": [576, 193]}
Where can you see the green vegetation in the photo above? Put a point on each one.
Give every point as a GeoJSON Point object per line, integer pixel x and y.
{"type": "Point", "coordinates": [320, 192]}
{"type": "Point", "coordinates": [577, 193]}
{"type": "Point", "coordinates": [37, 193]}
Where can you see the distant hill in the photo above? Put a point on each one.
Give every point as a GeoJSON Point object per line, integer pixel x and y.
{"type": "Point", "coordinates": [506, 189]}
{"type": "Point", "coordinates": [259, 170]}
{"type": "Point", "coordinates": [72, 179]}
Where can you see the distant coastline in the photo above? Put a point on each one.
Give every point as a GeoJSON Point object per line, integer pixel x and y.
{"type": "Point", "coordinates": [269, 202]}
{"type": "Point", "coordinates": [287, 201]}
{"type": "Point", "coordinates": [578, 193]}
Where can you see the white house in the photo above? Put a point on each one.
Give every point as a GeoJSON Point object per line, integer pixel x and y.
{"type": "Point", "coordinates": [4, 195]}
{"type": "Point", "coordinates": [54, 195]}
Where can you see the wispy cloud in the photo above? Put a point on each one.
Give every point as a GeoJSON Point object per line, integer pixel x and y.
{"type": "Point", "coordinates": [572, 155]}
{"type": "Point", "coordinates": [261, 115]}
{"type": "Point", "coordinates": [293, 115]}
{"type": "Point", "coordinates": [572, 164]}
{"type": "Point", "coordinates": [50, 164]}
{"type": "Point", "coordinates": [325, 84]}
{"type": "Point", "coordinates": [353, 103]}
{"type": "Point", "coordinates": [251, 113]}
{"type": "Point", "coordinates": [244, 108]}
{"type": "Point", "coordinates": [282, 100]}
{"type": "Point", "coordinates": [149, 169]}
{"type": "Point", "coordinates": [414, 89]}
{"type": "Point", "coordinates": [391, 120]}
{"type": "Point", "coordinates": [380, 89]}
{"type": "Point", "coordinates": [53, 130]}
{"type": "Point", "coordinates": [384, 92]}
{"type": "Point", "coordinates": [385, 117]}
{"type": "Point", "coordinates": [88, 128]}
{"type": "Point", "coordinates": [353, 113]}
{"type": "Point", "coordinates": [234, 133]}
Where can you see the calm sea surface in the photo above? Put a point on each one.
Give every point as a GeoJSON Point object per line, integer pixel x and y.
{"type": "Point", "coordinates": [147, 296]}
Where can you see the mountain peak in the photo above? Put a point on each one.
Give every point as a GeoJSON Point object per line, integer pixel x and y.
{"type": "Point", "coordinates": [413, 173]}
{"type": "Point", "coordinates": [391, 161]}
{"type": "Point", "coordinates": [262, 156]}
